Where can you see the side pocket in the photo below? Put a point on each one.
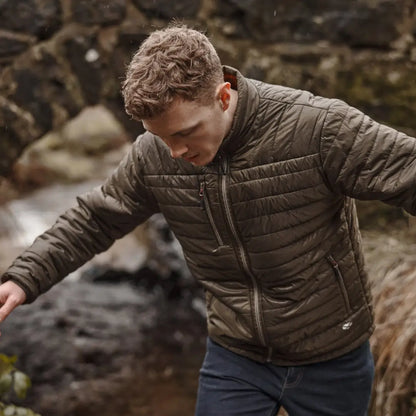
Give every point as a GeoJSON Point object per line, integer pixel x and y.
{"type": "Point", "coordinates": [341, 284]}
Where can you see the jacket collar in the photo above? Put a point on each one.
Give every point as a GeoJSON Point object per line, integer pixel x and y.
{"type": "Point", "coordinates": [245, 113]}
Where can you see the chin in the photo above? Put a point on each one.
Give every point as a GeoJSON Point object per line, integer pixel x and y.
{"type": "Point", "coordinates": [198, 163]}
{"type": "Point", "coordinates": [202, 161]}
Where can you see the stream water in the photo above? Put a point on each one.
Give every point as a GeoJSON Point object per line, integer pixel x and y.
{"type": "Point", "coordinates": [23, 219]}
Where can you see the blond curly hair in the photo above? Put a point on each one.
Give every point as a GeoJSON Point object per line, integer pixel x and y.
{"type": "Point", "coordinates": [174, 62]}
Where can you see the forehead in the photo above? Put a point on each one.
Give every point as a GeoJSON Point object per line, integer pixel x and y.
{"type": "Point", "coordinates": [180, 115]}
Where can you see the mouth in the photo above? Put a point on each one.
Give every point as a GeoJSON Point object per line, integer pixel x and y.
{"type": "Point", "coordinates": [190, 158]}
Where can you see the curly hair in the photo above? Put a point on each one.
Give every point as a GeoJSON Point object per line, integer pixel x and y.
{"type": "Point", "coordinates": [174, 62]}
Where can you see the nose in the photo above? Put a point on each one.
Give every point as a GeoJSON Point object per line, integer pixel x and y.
{"type": "Point", "coordinates": [177, 150]}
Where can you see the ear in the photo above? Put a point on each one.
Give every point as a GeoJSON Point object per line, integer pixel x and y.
{"type": "Point", "coordinates": [224, 95]}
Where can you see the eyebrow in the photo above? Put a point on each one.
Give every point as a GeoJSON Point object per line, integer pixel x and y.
{"type": "Point", "coordinates": [180, 132]}
{"type": "Point", "coordinates": [187, 130]}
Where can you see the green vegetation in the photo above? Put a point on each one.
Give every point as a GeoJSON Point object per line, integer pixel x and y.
{"type": "Point", "coordinates": [13, 383]}
{"type": "Point", "coordinates": [384, 90]}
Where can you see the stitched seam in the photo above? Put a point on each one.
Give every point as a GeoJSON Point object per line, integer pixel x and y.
{"type": "Point", "coordinates": [387, 159]}
{"type": "Point", "coordinates": [404, 169]}
{"type": "Point", "coordinates": [301, 270]}
{"type": "Point", "coordinates": [349, 150]}
{"type": "Point", "coordinates": [286, 246]}
{"type": "Point", "coordinates": [280, 212]}
{"type": "Point", "coordinates": [281, 162]}
{"type": "Point", "coordinates": [270, 176]}
{"type": "Point", "coordinates": [360, 277]}
{"type": "Point", "coordinates": [294, 130]}
{"type": "Point", "coordinates": [297, 381]}
{"type": "Point", "coordinates": [284, 384]}
{"type": "Point", "coordinates": [368, 156]}
{"type": "Point", "coordinates": [262, 198]}
{"type": "Point", "coordinates": [284, 228]}
{"type": "Point", "coordinates": [182, 205]}
{"type": "Point", "coordinates": [282, 101]}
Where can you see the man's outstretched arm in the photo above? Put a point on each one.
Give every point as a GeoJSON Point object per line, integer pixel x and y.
{"type": "Point", "coordinates": [101, 216]}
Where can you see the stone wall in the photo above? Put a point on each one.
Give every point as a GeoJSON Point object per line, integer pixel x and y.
{"type": "Point", "coordinates": [59, 56]}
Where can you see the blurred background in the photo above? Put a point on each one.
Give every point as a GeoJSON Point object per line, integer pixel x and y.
{"type": "Point", "coordinates": [126, 333]}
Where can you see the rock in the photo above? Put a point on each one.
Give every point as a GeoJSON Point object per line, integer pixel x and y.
{"type": "Point", "coordinates": [385, 90]}
{"type": "Point", "coordinates": [98, 12]}
{"type": "Point", "coordinates": [29, 94]}
{"type": "Point", "coordinates": [14, 121]}
{"type": "Point", "coordinates": [167, 9]}
{"type": "Point", "coordinates": [41, 18]}
{"type": "Point", "coordinates": [35, 92]}
{"type": "Point", "coordinates": [76, 332]}
{"type": "Point", "coordinates": [89, 146]}
{"type": "Point", "coordinates": [94, 131]}
{"type": "Point", "coordinates": [367, 24]}
{"type": "Point", "coordinates": [84, 58]}
{"type": "Point", "coordinates": [12, 43]}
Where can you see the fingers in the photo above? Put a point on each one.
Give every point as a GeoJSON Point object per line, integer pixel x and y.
{"type": "Point", "coordinates": [11, 296]}
{"type": "Point", "coordinates": [8, 307]}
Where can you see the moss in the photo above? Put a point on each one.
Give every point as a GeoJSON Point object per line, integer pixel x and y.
{"type": "Point", "coordinates": [375, 215]}
{"type": "Point", "coordinates": [386, 92]}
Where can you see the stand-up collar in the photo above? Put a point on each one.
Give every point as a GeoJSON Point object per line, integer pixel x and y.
{"type": "Point", "coordinates": [245, 113]}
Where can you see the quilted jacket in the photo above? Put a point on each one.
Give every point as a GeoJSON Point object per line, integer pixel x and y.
{"type": "Point", "coordinates": [269, 228]}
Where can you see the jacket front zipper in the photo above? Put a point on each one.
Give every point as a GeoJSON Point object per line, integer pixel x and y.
{"type": "Point", "coordinates": [242, 254]}
{"type": "Point", "coordinates": [206, 207]}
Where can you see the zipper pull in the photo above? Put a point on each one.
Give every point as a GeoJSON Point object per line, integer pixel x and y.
{"type": "Point", "coordinates": [332, 261]}
{"type": "Point", "coordinates": [202, 195]}
{"type": "Point", "coordinates": [224, 166]}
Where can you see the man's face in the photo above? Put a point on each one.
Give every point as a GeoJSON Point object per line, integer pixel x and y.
{"type": "Point", "coordinates": [193, 131]}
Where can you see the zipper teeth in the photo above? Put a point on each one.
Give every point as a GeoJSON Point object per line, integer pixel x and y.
{"type": "Point", "coordinates": [214, 227]}
{"type": "Point", "coordinates": [206, 207]}
{"type": "Point", "coordinates": [338, 273]}
{"type": "Point", "coordinates": [244, 260]}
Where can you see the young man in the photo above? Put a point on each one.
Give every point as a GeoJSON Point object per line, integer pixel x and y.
{"type": "Point", "coordinates": [256, 182]}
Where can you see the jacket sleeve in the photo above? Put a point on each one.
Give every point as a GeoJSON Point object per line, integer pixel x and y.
{"type": "Point", "coordinates": [102, 215]}
{"type": "Point", "coordinates": [367, 160]}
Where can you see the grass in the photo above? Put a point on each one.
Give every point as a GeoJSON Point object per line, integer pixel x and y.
{"type": "Point", "coordinates": [391, 263]}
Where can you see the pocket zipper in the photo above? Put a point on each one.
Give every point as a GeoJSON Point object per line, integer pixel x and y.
{"type": "Point", "coordinates": [340, 279]}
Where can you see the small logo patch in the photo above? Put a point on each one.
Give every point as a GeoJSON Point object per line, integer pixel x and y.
{"type": "Point", "coordinates": [347, 325]}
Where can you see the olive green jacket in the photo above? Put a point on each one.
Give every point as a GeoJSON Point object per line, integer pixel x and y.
{"type": "Point", "coordinates": [269, 228]}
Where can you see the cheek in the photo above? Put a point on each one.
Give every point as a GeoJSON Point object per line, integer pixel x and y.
{"type": "Point", "coordinates": [213, 135]}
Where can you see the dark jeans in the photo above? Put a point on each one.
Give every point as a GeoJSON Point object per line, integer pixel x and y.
{"type": "Point", "coordinates": [231, 385]}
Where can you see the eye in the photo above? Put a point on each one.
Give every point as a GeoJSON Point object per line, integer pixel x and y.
{"type": "Point", "coordinates": [188, 132]}
{"type": "Point", "coordinates": [185, 133]}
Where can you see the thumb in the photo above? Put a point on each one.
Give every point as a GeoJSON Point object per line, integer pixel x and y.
{"type": "Point", "coordinates": [11, 295]}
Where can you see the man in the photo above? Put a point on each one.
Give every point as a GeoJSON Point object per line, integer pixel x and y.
{"type": "Point", "coordinates": [256, 182]}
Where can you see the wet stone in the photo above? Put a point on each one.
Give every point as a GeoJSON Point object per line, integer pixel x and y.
{"type": "Point", "coordinates": [357, 25]}
{"type": "Point", "coordinates": [98, 12]}
{"type": "Point", "coordinates": [29, 96]}
{"type": "Point", "coordinates": [85, 60]}
{"type": "Point", "coordinates": [41, 18]}
{"type": "Point", "coordinates": [12, 44]}
{"type": "Point", "coordinates": [167, 9]}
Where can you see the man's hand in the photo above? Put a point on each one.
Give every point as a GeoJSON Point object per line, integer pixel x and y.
{"type": "Point", "coordinates": [11, 296]}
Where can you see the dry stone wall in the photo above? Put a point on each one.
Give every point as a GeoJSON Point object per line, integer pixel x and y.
{"type": "Point", "coordinates": [59, 56]}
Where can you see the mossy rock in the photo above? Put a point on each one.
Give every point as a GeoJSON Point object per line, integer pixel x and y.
{"type": "Point", "coordinates": [385, 91]}
{"type": "Point", "coordinates": [377, 215]}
